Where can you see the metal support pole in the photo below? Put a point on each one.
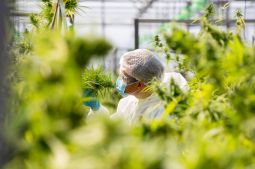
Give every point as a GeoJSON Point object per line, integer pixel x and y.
{"type": "Point", "coordinates": [136, 23]}
{"type": "Point", "coordinates": [4, 148]}
{"type": "Point", "coordinates": [103, 25]}
{"type": "Point", "coordinates": [115, 63]}
{"type": "Point", "coordinates": [103, 16]}
{"type": "Point", "coordinates": [188, 4]}
{"type": "Point", "coordinates": [227, 18]}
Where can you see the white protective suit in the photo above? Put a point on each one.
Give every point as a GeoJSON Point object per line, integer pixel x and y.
{"type": "Point", "coordinates": [132, 109]}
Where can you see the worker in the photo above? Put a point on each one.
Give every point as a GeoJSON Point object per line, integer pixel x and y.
{"type": "Point", "coordinates": [137, 69]}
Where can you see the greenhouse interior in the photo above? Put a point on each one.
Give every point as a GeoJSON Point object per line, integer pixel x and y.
{"type": "Point", "coordinates": [127, 84]}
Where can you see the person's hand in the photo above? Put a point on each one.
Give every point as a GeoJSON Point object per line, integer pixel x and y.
{"type": "Point", "coordinates": [91, 100]}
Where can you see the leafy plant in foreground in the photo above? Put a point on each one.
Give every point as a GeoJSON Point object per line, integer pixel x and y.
{"type": "Point", "coordinates": [47, 101]}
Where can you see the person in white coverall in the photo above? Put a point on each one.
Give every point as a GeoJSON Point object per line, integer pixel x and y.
{"type": "Point", "coordinates": [137, 69]}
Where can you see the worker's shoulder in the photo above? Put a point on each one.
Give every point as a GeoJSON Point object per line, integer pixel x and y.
{"type": "Point", "coordinates": [127, 99]}
{"type": "Point", "coordinates": [178, 79]}
{"type": "Point", "coordinates": [125, 103]}
{"type": "Point", "coordinates": [172, 75]}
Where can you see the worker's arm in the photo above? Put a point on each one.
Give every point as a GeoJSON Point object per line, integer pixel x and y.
{"type": "Point", "coordinates": [122, 108]}
{"type": "Point", "coordinates": [100, 110]}
{"type": "Point", "coordinates": [93, 103]}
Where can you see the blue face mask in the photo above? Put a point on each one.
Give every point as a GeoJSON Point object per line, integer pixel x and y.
{"type": "Point", "coordinates": [121, 87]}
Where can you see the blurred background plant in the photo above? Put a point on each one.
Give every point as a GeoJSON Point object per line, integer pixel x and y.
{"type": "Point", "coordinates": [54, 12]}
{"type": "Point", "coordinates": [47, 100]}
{"type": "Point", "coordinates": [212, 127]}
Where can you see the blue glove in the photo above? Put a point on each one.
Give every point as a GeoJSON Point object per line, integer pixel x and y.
{"type": "Point", "coordinates": [93, 102]}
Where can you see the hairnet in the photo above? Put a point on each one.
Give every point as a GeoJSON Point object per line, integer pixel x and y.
{"type": "Point", "coordinates": [141, 65]}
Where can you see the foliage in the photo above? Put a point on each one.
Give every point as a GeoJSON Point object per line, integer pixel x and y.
{"type": "Point", "coordinates": [44, 18]}
{"type": "Point", "coordinates": [96, 80]}
{"type": "Point", "coordinates": [219, 98]}
{"type": "Point", "coordinates": [211, 126]}
{"type": "Point", "coordinates": [47, 100]}
{"type": "Point", "coordinates": [84, 48]}
{"type": "Point", "coordinates": [71, 7]}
